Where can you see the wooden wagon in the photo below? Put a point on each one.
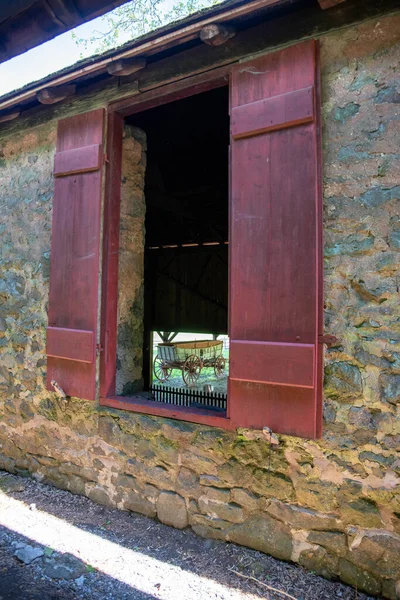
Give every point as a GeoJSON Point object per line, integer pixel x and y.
{"type": "Point", "coordinates": [190, 358]}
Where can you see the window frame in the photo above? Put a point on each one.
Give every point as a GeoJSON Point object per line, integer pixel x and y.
{"type": "Point", "coordinates": [116, 113]}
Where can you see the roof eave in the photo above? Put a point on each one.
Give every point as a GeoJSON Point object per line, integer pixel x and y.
{"type": "Point", "coordinates": [154, 42]}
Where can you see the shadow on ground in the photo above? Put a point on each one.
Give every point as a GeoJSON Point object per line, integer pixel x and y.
{"type": "Point", "coordinates": [20, 581]}
{"type": "Point", "coordinates": [142, 558]}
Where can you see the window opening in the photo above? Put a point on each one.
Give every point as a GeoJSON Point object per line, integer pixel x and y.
{"type": "Point", "coordinates": [173, 345]}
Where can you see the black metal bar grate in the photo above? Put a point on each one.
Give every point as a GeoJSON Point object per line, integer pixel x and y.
{"type": "Point", "coordinates": [189, 397]}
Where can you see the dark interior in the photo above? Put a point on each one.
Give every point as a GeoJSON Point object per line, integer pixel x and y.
{"type": "Point", "coordinates": [186, 190]}
{"type": "Point", "coordinates": [187, 174]}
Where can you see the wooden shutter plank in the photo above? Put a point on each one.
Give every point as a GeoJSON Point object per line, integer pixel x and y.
{"type": "Point", "coordinates": [71, 344]}
{"type": "Point", "coordinates": [275, 243]}
{"type": "Point", "coordinates": [271, 362]}
{"type": "Point", "coordinates": [285, 110]}
{"type": "Point", "coordinates": [284, 409]}
{"type": "Point", "coordinates": [74, 261]}
{"type": "Point", "coordinates": [78, 160]}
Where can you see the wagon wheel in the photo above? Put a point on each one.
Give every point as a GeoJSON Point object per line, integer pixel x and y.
{"type": "Point", "coordinates": [161, 369]}
{"type": "Point", "coordinates": [219, 366]}
{"type": "Point", "coordinates": [191, 370]}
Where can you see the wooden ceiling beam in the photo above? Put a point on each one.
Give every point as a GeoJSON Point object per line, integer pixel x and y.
{"type": "Point", "coordinates": [324, 4]}
{"type": "Point", "coordinates": [216, 34]}
{"type": "Point", "coordinates": [52, 95]}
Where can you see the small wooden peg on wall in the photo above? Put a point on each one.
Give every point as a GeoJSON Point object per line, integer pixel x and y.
{"type": "Point", "coordinates": [216, 35]}
{"type": "Point", "coordinates": [122, 67]}
{"type": "Point", "coordinates": [52, 95]}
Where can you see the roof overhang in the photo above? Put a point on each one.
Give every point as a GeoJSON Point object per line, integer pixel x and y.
{"type": "Point", "coordinates": [28, 23]}
{"type": "Point", "coordinates": [167, 37]}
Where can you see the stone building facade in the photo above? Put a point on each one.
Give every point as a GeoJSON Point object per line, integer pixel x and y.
{"type": "Point", "coordinates": [332, 505]}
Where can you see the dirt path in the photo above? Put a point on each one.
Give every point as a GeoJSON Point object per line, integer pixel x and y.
{"type": "Point", "coordinates": [82, 550]}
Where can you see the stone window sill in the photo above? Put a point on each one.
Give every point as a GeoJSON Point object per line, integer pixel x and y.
{"type": "Point", "coordinates": [193, 415]}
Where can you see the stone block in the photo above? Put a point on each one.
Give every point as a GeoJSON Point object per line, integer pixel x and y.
{"type": "Point", "coordinates": [213, 481]}
{"type": "Point", "coordinates": [343, 114]}
{"type": "Point", "coordinates": [342, 381]}
{"type": "Point", "coordinates": [362, 512]}
{"type": "Point", "coordinates": [179, 431]}
{"type": "Point", "coordinates": [209, 527]}
{"type": "Point", "coordinates": [335, 543]}
{"type": "Point", "coordinates": [390, 388]}
{"type": "Point", "coordinates": [319, 561]}
{"type": "Point", "coordinates": [125, 481]}
{"type": "Point", "coordinates": [98, 494]}
{"type": "Point", "coordinates": [188, 483]}
{"type": "Point", "coordinates": [318, 495]}
{"type": "Point", "coordinates": [391, 589]}
{"type": "Point", "coordinates": [263, 533]}
{"type": "Point", "coordinates": [221, 510]}
{"type": "Point", "coordinates": [217, 494]}
{"type": "Point", "coordinates": [76, 485]}
{"type": "Point", "coordinates": [160, 477]}
{"type": "Point", "coordinates": [171, 510]}
{"type": "Point", "coordinates": [302, 518]}
{"type": "Point", "coordinates": [359, 416]}
{"type": "Point", "coordinates": [165, 450]}
{"type": "Point", "coordinates": [199, 463]}
{"type": "Point", "coordinates": [249, 501]}
{"type": "Point", "coordinates": [136, 502]}
{"type": "Point", "coordinates": [379, 553]}
{"type": "Point", "coordinates": [235, 473]}
{"type": "Point", "coordinates": [271, 484]}
{"type": "Point", "coordinates": [358, 578]}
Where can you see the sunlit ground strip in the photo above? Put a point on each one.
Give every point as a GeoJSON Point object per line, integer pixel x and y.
{"type": "Point", "coordinates": [135, 569]}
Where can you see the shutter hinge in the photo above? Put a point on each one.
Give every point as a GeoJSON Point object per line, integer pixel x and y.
{"type": "Point", "coordinates": [329, 340]}
{"type": "Point", "coordinates": [99, 348]}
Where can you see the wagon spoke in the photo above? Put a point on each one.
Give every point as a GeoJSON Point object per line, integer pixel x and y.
{"type": "Point", "coordinates": [162, 371]}
{"type": "Point", "coordinates": [191, 370]}
{"type": "Point", "coordinates": [219, 366]}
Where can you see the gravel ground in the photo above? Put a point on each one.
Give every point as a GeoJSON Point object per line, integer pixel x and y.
{"type": "Point", "coordinates": [88, 551]}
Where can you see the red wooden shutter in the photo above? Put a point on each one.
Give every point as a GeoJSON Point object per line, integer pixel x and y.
{"type": "Point", "coordinates": [74, 266]}
{"type": "Point", "coordinates": [275, 244]}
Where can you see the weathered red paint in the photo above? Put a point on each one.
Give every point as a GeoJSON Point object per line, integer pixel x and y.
{"type": "Point", "coordinates": [78, 160]}
{"type": "Point", "coordinates": [194, 415]}
{"type": "Point", "coordinates": [109, 305]}
{"type": "Point", "coordinates": [71, 344]}
{"type": "Point", "coordinates": [271, 114]}
{"type": "Point", "coordinates": [275, 243]}
{"type": "Point", "coordinates": [74, 267]}
{"type": "Point", "coordinates": [272, 362]}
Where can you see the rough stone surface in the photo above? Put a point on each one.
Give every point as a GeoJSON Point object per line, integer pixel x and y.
{"type": "Point", "coordinates": [171, 510]}
{"type": "Point", "coordinates": [8, 483]}
{"type": "Point", "coordinates": [28, 554]}
{"type": "Point", "coordinates": [331, 504]}
{"type": "Point", "coordinates": [131, 263]}
{"type": "Point", "coordinates": [64, 566]}
{"type": "Point", "coordinates": [264, 533]}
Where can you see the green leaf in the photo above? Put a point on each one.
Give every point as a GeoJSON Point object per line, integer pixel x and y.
{"type": "Point", "coordinates": [90, 569]}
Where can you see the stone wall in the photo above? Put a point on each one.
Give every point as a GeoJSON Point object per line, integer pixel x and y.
{"type": "Point", "coordinates": [131, 263]}
{"type": "Point", "coordinates": [332, 505]}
